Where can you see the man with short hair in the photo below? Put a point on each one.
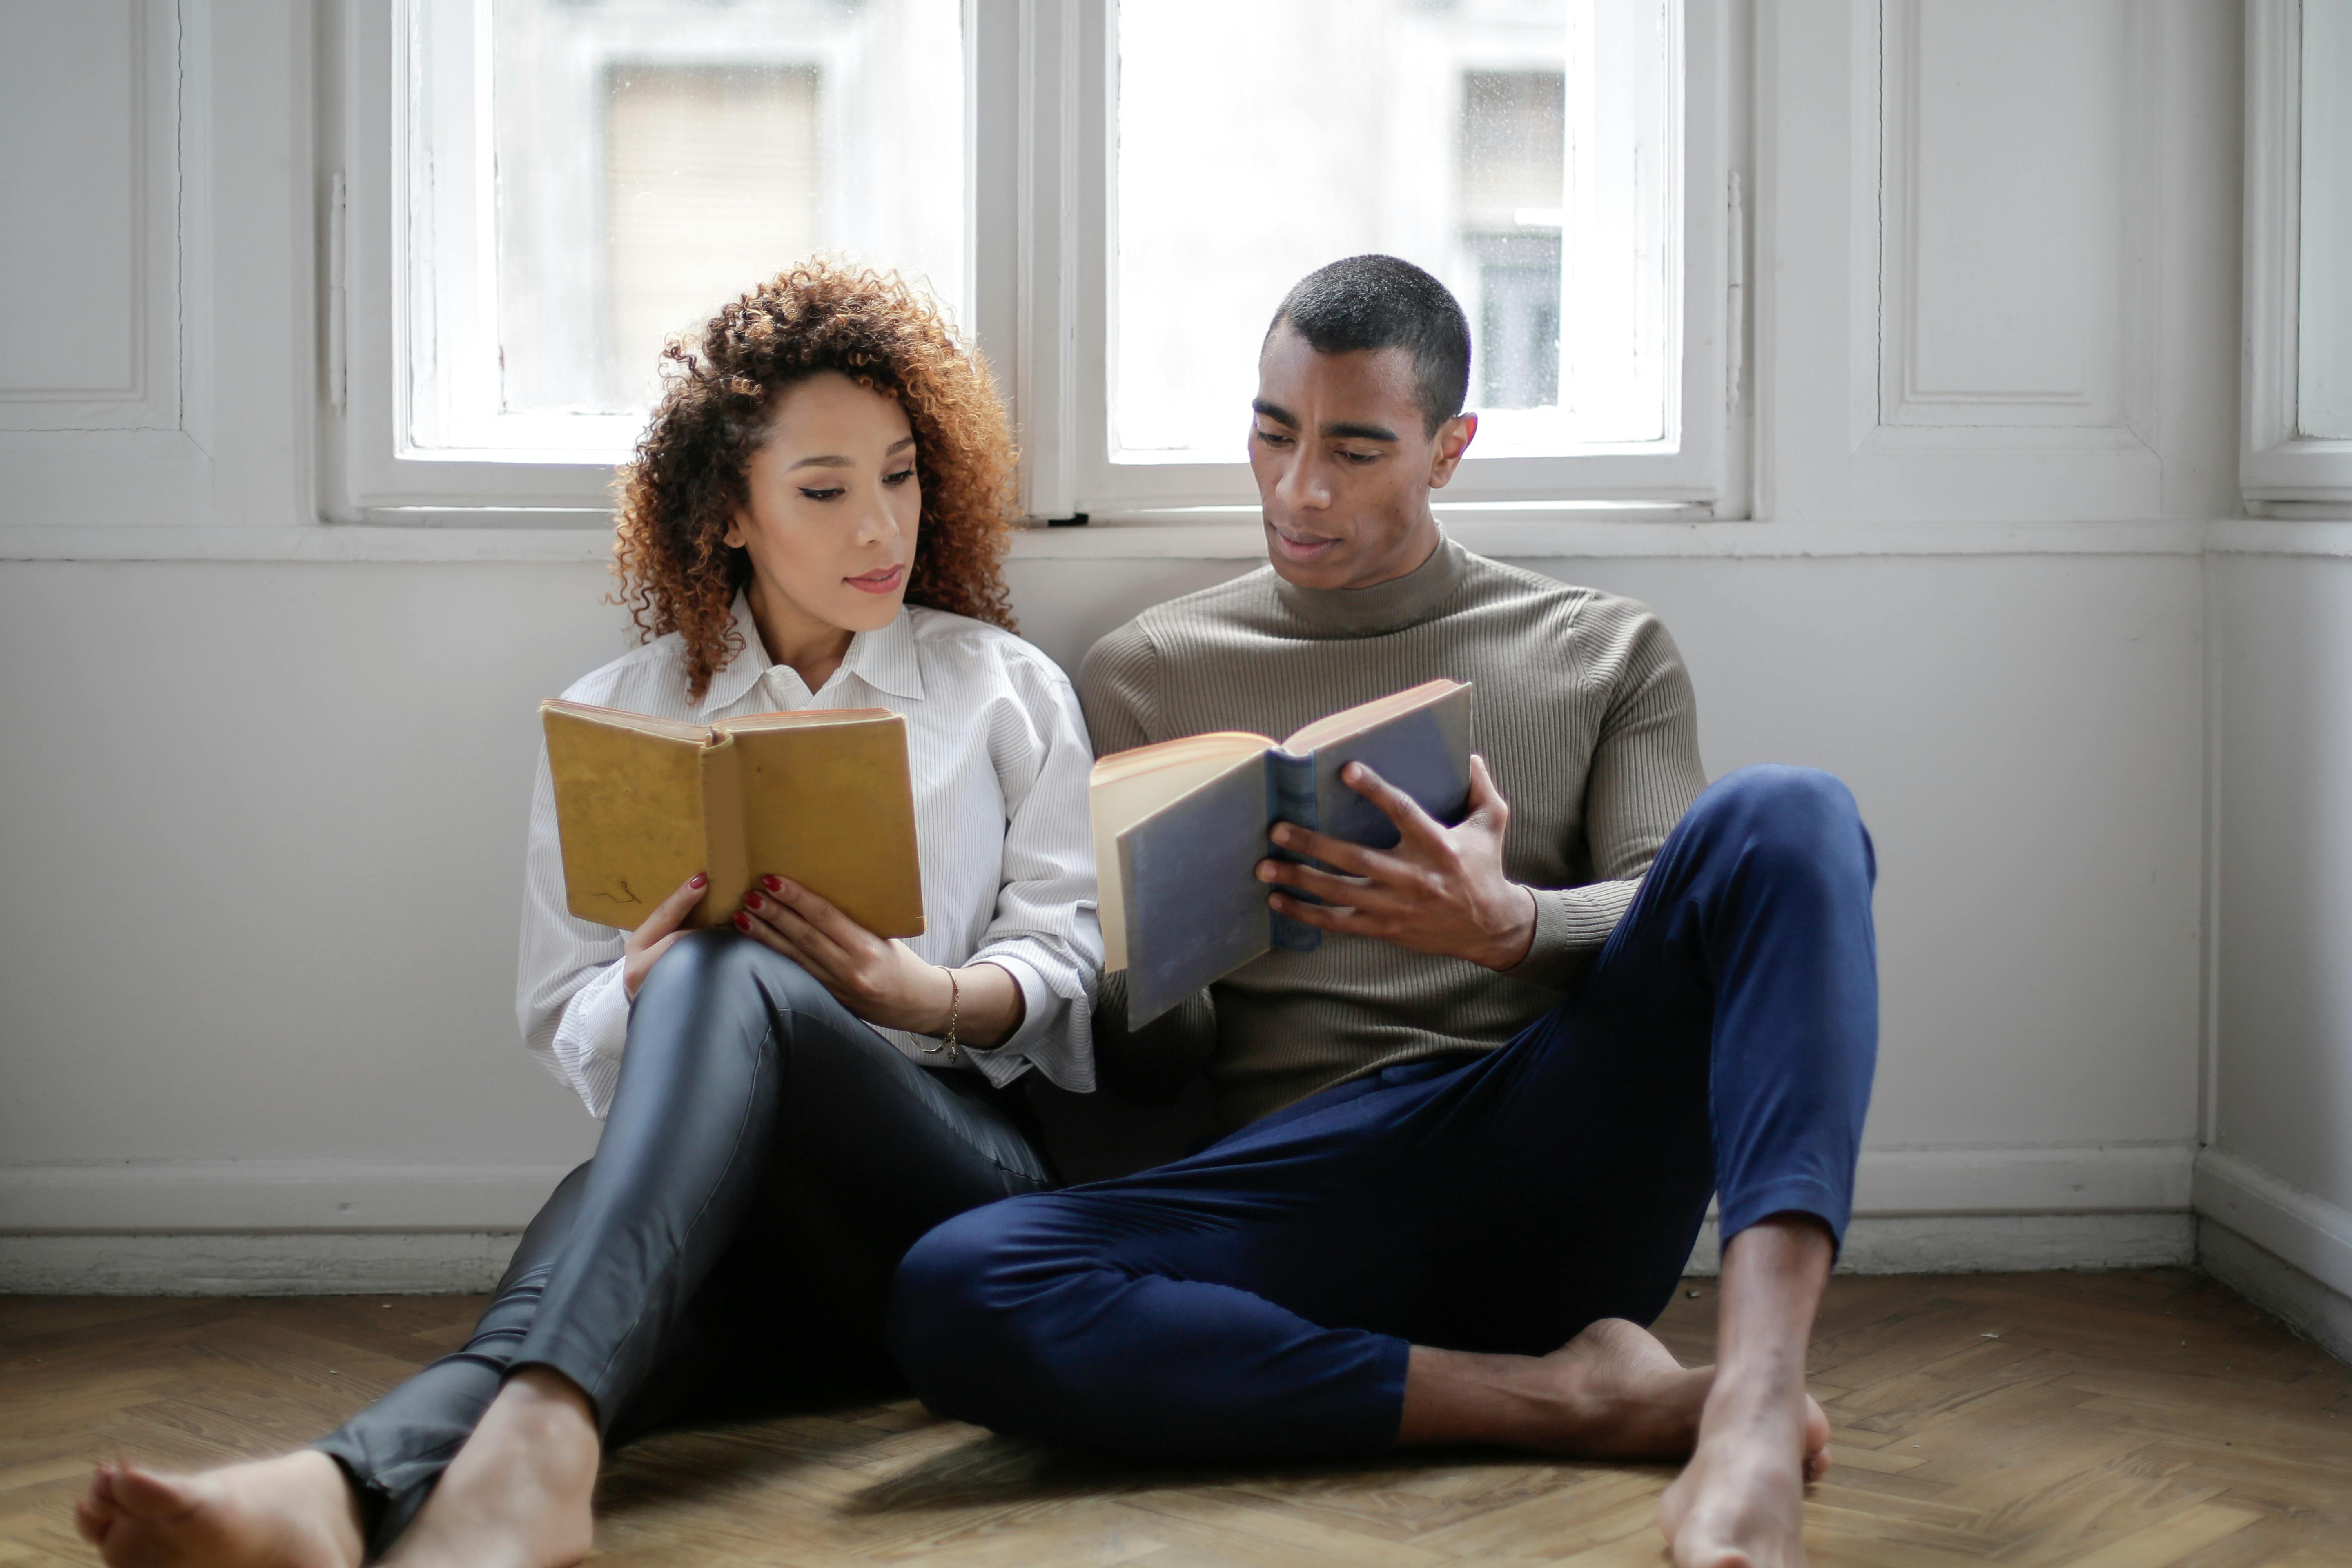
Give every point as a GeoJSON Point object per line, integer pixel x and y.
{"type": "Point", "coordinates": [1477, 1127]}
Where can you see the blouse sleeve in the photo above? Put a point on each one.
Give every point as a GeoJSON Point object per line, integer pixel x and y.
{"type": "Point", "coordinates": [568, 995]}
{"type": "Point", "coordinates": [1044, 934]}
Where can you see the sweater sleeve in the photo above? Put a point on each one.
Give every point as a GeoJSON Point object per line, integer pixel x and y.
{"type": "Point", "coordinates": [1118, 687]}
{"type": "Point", "coordinates": [1643, 776]}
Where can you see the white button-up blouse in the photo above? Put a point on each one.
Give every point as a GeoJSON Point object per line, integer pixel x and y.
{"type": "Point", "coordinates": [998, 756]}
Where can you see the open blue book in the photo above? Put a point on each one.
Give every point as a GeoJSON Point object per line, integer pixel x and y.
{"type": "Point", "coordinates": [1180, 827]}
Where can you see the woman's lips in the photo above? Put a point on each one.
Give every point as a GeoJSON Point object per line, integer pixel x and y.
{"type": "Point", "coordinates": [883, 581]}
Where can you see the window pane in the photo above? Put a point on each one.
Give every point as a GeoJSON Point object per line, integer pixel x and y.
{"type": "Point", "coordinates": [1520, 150]}
{"type": "Point", "coordinates": [652, 159]}
{"type": "Point", "coordinates": [2324, 358]}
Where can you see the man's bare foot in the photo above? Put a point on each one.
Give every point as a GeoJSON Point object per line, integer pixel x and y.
{"type": "Point", "coordinates": [519, 1494]}
{"type": "Point", "coordinates": [294, 1512]}
{"type": "Point", "coordinates": [1612, 1392]}
{"type": "Point", "coordinates": [1740, 1503]}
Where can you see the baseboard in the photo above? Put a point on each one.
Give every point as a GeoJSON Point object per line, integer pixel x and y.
{"type": "Point", "coordinates": [364, 1262]}
{"type": "Point", "coordinates": [2305, 1304]}
{"type": "Point", "coordinates": [253, 1196]}
{"type": "Point", "coordinates": [1998, 1243]}
{"type": "Point", "coordinates": [2299, 1228]}
{"type": "Point", "coordinates": [257, 1196]}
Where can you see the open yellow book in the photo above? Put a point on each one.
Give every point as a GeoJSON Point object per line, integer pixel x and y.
{"type": "Point", "coordinates": [822, 796]}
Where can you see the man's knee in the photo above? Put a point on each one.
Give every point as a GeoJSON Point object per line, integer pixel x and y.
{"type": "Point", "coordinates": [956, 1322]}
{"type": "Point", "coordinates": [1800, 817]}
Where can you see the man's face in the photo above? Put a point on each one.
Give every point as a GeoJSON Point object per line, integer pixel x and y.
{"type": "Point", "coordinates": [1345, 464]}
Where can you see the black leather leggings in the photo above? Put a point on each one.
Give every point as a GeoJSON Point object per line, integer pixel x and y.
{"type": "Point", "coordinates": [768, 1160]}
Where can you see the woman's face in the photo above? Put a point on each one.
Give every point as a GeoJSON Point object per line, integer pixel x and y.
{"type": "Point", "coordinates": [833, 508]}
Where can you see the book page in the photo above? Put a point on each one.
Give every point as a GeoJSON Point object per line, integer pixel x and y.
{"type": "Point", "coordinates": [1364, 715]}
{"type": "Point", "coordinates": [1127, 786]}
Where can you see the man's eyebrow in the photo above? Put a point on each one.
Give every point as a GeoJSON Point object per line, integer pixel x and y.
{"type": "Point", "coordinates": [1274, 411]}
{"type": "Point", "coordinates": [1358, 432]}
{"type": "Point", "coordinates": [901, 444]}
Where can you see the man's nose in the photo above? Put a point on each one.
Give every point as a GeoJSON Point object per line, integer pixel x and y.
{"type": "Point", "coordinates": [1302, 483]}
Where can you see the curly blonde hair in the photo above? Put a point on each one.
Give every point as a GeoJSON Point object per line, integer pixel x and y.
{"type": "Point", "coordinates": [688, 479]}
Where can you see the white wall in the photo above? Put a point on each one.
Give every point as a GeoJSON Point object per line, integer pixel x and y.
{"type": "Point", "coordinates": [2279, 1168]}
{"type": "Point", "coordinates": [262, 795]}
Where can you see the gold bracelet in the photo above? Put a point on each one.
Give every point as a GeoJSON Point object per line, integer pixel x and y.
{"type": "Point", "coordinates": [955, 1008]}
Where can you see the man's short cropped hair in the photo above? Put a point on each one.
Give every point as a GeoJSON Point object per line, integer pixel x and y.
{"type": "Point", "coordinates": [1380, 303]}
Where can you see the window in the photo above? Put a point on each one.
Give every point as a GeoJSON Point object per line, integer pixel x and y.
{"type": "Point", "coordinates": [1112, 195]}
{"type": "Point", "coordinates": [2298, 452]}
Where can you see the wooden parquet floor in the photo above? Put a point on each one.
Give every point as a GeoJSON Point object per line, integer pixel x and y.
{"type": "Point", "coordinates": [2101, 1420]}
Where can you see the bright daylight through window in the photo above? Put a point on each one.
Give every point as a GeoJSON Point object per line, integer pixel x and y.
{"type": "Point", "coordinates": [589, 177]}
{"type": "Point", "coordinates": [1519, 149]}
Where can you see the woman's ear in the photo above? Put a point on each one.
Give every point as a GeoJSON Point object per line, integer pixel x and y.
{"type": "Point", "coordinates": [733, 537]}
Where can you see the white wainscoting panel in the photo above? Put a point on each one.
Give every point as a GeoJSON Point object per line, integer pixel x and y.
{"type": "Point", "coordinates": [89, 244]}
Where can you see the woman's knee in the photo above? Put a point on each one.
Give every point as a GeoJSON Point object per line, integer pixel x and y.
{"type": "Point", "coordinates": [702, 962]}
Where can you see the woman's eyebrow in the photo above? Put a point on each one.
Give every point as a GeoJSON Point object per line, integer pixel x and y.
{"type": "Point", "coordinates": [829, 461]}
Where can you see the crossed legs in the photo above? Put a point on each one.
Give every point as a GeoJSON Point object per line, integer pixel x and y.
{"type": "Point", "coordinates": [1456, 1252]}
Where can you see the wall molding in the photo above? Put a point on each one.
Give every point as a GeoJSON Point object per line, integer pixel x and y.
{"type": "Point", "coordinates": [2276, 1285]}
{"type": "Point", "coordinates": [269, 1195]}
{"type": "Point", "coordinates": [1531, 537]}
{"type": "Point", "coordinates": [2303, 1229]}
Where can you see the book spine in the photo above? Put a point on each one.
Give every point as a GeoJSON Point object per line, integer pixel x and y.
{"type": "Point", "coordinates": [1290, 797]}
{"type": "Point", "coordinates": [726, 862]}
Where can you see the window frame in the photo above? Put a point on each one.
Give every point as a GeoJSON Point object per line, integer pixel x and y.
{"type": "Point", "coordinates": [1039, 110]}
{"type": "Point", "coordinates": [2282, 472]}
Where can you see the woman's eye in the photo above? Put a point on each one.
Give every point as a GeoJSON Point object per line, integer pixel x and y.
{"type": "Point", "coordinates": [825, 494]}
{"type": "Point", "coordinates": [900, 478]}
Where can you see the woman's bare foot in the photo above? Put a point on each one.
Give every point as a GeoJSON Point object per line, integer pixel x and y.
{"type": "Point", "coordinates": [294, 1512]}
{"type": "Point", "coordinates": [1740, 1503]}
{"type": "Point", "coordinates": [519, 1494]}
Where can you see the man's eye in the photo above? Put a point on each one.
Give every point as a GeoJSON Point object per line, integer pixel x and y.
{"type": "Point", "coordinates": [826, 494]}
{"type": "Point", "coordinates": [1360, 456]}
{"type": "Point", "coordinates": [1273, 437]}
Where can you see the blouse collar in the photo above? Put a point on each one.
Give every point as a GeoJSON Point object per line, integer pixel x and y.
{"type": "Point", "coordinates": [886, 660]}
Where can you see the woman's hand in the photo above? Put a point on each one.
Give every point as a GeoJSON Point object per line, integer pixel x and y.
{"type": "Point", "coordinates": [650, 941]}
{"type": "Point", "coordinates": [879, 978]}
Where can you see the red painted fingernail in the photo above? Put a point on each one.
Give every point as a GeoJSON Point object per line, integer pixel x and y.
{"type": "Point", "coordinates": [698, 881]}
{"type": "Point", "coordinates": [752, 900]}
{"type": "Point", "coordinates": [773, 884]}
{"type": "Point", "coordinates": [742, 923]}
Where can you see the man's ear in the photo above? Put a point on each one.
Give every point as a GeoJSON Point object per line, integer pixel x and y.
{"type": "Point", "coordinates": [1454, 439]}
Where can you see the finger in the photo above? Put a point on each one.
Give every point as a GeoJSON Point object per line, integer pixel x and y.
{"type": "Point", "coordinates": [1356, 892]}
{"type": "Point", "coordinates": [822, 913]}
{"type": "Point", "coordinates": [653, 954]}
{"type": "Point", "coordinates": [672, 912]}
{"type": "Point", "coordinates": [1484, 797]}
{"type": "Point", "coordinates": [1326, 917]}
{"type": "Point", "coordinates": [1335, 853]}
{"type": "Point", "coordinates": [1395, 804]}
{"type": "Point", "coordinates": [826, 954]}
{"type": "Point", "coordinates": [769, 937]}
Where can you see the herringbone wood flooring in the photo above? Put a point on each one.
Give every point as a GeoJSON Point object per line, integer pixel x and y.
{"type": "Point", "coordinates": [2113, 1420]}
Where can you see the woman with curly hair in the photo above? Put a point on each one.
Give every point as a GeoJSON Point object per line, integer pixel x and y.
{"type": "Point", "coordinates": [815, 519]}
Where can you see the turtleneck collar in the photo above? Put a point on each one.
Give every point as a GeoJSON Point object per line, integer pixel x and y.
{"type": "Point", "coordinates": [1385, 606]}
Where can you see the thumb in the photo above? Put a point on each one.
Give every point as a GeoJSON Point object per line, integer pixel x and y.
{"type": "Point", "coordinates": [1486, 800]}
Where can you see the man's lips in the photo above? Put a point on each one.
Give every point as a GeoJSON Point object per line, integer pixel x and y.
{"type": "Point", "coordinates": [1299, 546]}
{"type": "Point", "coordinates": [885, 581]}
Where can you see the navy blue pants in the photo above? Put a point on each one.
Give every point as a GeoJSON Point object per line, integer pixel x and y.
{"type": "Point", "coordinates": [1261, 1297]}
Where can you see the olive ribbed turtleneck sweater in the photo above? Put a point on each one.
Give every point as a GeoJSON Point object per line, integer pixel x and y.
{"type": "Point", "coordinates": [1584, 713]}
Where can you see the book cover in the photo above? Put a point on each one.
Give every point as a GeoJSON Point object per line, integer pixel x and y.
{"type": "Point", "coordinates": [822, 796]}
{"type": "Point", "coordinates": [1181, 827]}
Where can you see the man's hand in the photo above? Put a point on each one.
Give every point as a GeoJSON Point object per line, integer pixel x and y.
{"type": "Point", "coordinates": [1441, 890]}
